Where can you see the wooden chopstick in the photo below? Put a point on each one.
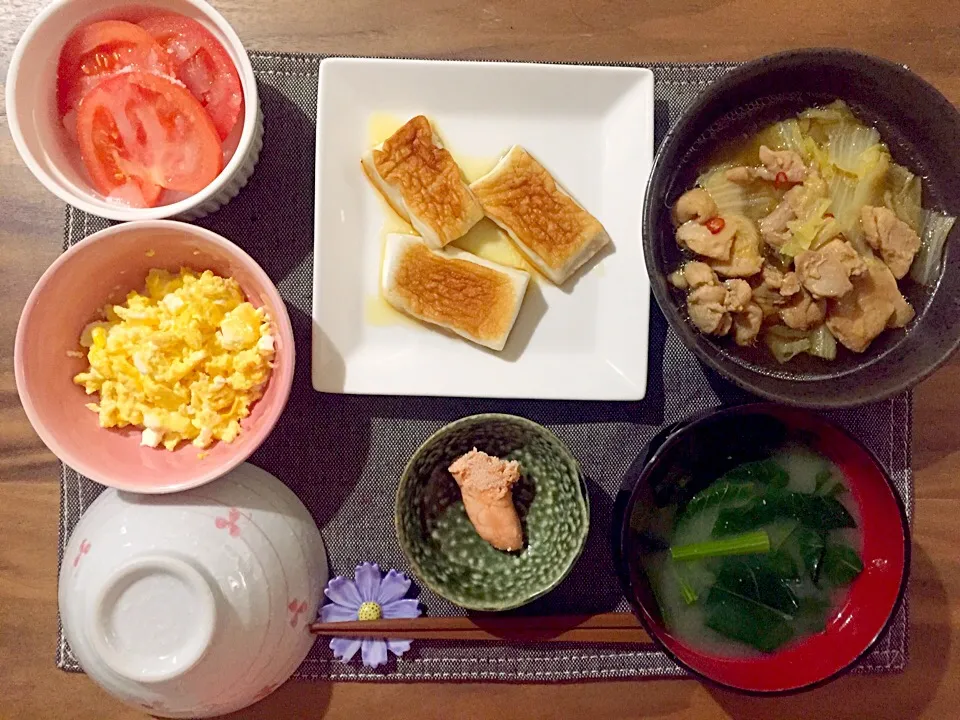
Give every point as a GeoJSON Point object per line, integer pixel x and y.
{"type": "Point", "coordinates": [600, 628]}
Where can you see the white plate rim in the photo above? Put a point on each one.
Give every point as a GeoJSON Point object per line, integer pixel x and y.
{"type": "Point", "coordinates": [627, 390]}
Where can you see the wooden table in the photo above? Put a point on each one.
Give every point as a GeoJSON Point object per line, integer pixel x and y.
{"type": "Point", "coordinates": [924, 35]}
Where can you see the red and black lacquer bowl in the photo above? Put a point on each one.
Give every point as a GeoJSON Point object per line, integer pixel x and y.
{"type": "Point", "coordinates": [710, 444]}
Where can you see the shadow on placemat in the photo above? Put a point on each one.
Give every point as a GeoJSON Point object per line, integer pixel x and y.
{"type": "Point", "coordinates": [567, 598]}
{"type": "Point", "coordinates": [649, 411]}
{"type": "Point", "coordinates": [343, 455]}
{"type": "Point", "coordinates": [272, 217]}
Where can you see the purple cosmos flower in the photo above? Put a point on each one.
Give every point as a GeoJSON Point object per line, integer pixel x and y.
{"type": "Point", "coordinates": [369, 598]}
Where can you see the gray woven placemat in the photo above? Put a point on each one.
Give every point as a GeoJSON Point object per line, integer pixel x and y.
{"type": "Point", "coordinates": [342, 455]}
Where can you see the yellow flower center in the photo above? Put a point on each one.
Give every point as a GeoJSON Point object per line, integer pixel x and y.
{"type": "Point", "coordinates": [369, 611]}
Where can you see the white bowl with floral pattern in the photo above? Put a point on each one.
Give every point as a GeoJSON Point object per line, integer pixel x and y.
{"type": "Point", "coordinates": [194, 604]}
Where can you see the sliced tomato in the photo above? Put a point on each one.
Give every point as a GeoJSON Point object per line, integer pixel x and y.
{"type": "Point", "coordinates": [101, 49]}
{"type": "Point", "coordinates": [202, 64]}
{"type": "Point", "coordinates": [142, 131]}
{"type": "Point", "coordinates": [136, 193]}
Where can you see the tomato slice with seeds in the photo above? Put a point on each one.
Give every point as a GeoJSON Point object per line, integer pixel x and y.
{"type": "Point", "coordinates": [101, 49]}
{"type": "Point", "coordinates": [139, 132]}
{"type": "Point", "coordinates": [202, 64]}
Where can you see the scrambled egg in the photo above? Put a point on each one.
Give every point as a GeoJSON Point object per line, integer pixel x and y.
{"type": "Point", "coordinates": [184, 361]}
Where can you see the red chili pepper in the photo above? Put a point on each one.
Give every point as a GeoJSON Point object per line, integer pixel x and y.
{"type": "Point", "coordinates": [715, 225]}
{"type": "Point", "coordinates": [829, 215]}
{"type": "Point", "coordinates": [780, 180]}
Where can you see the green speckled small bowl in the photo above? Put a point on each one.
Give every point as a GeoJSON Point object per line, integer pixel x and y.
{"type": "Point", "coordinates": [444, 550]}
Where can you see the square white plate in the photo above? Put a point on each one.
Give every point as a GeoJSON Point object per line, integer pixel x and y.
{"type": "Point", "coordinates": [591, 127]}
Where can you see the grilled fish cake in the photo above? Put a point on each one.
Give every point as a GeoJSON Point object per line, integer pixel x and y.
{"type": "Point", "coordinates": [547, 224]}
{"type": "Point", "coordinates": [475, 298]}
{"type": "Point", "coordinates": [423, 183]}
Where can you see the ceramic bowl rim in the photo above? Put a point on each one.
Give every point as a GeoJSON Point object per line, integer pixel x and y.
{"type": "Point", "coordinates": [825, 57]}
{"type": "Point", "coordinates": [281, 320]}
{"type": "Point", "coordinates": [288, 518]}
{"type": "Point", "coordinates": [478, 419]}
{"type": "Point", "coordinates": [248, 134]}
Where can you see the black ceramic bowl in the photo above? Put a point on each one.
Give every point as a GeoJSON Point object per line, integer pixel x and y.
{"type": "Point", "coordinates": [689, 456]}
{"type": "Point", "coordinates": [922, 130]}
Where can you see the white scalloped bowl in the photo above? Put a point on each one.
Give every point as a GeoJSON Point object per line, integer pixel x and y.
{"type": "Point", "coordinates": [52, 158]}
{"type": "Point", "coordinates": [194, 604]}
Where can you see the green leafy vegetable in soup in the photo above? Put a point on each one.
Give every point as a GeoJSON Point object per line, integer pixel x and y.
{"type": "Point", "coordinates": [759, 557]}
{"type": "Point", "coordinates": [799, 234]}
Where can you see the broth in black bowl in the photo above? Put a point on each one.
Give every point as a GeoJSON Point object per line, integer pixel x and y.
{"type": "Point", "coordinates": [919, 127]}
{"type": "Point", "coordinates": [803, 236]}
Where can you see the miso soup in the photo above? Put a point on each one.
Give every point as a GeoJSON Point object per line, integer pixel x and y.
{"type": "Point", "coordinates": [759, 558]}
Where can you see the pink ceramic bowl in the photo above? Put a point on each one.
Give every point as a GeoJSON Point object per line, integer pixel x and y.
{"type": "Point", "coordinates": [103, 269]}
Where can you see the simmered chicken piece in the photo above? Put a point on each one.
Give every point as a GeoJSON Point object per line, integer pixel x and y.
{"type": "Point", "coordinates": [714, 307]}
{"type": "Point", "coordinates": [826, 272]}
{"type": "Point", "coordinates": [783, 166]}
{"type": "Point", "coordinates": [769, 299]}
{"type": "Point", "coordinates": [713, 240]}
{"type": "Point", "coordinates": [693, 274]}
{"type": "Point", "coordinates": [746, 324]}
{"type": "Point", "coordinates": [773, 227]}
{"type": "Point", "coordinates": [874, 304]}
{"type": "Point", "coordinates": [903, 311]}
{"type": "Point", "coordinates": [896, 241]}
{"type": "Point", "coordinates": [698, 273]}
{"type": "Point", "coordinates": [745, 258]}
{"type": "Point", "coordinates": [738, 295]}
{"type": "Point", "coordinates": [790, 285]}
{"type": "Point", "coordinates": [696, 205]}
{"type": "Point", "coordinates": [803, 312]}
{"type": "Point", "coordinates": [773, 276]}
{"type": "Point", "coordinates": [786, 283]}
{"type": "Point", "coordinates": [707, 309]}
